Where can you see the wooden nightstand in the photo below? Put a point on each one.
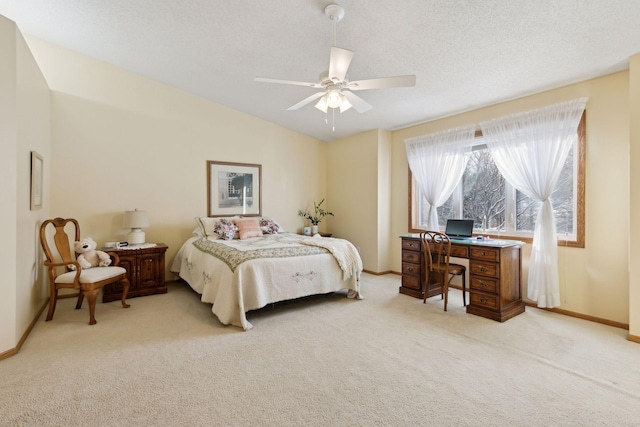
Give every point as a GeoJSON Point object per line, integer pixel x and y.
{"type": "Point", "coordinates": [145, 269]}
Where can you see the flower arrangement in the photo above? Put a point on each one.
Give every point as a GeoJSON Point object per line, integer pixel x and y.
{"type": "Point", "coordinates": [317, 215]}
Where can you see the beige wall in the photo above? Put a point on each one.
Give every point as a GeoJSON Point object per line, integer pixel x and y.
{"type": "Point", "coordinates": [121, 141]}
{"type": "Point", "coordinates": [593, 280]}
{"type": "Point", "coordinates": [634, 197]}
{"type": "Point", "coordinates": [352, 188]}
{"type": "Point", "coordinates": [359, 189]}
{"type": "Point", "coordinates": [24, 126]}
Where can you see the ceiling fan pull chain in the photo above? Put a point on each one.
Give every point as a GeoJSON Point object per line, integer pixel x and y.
{"type": "Point", "coordinates": [333, 118]}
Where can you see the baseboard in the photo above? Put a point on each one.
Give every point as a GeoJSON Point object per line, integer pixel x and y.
{"type": "Point", "coordinates": [633, 338]}
{"type": "Point", "coordinates": [582, 316]}
{"type": "Point", "coordinates": [381, 273]}
{"type": "Point", "coordinates": [14, 351]}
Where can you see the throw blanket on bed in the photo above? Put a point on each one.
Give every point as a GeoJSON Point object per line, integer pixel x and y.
{"type": "Point", "coordinates": [343, 251]}
{"type": "Point", "coordinates": [235, 252]}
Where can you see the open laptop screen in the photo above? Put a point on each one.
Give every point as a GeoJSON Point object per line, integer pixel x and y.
{"type": "Point", "coordinates": [459, 228]}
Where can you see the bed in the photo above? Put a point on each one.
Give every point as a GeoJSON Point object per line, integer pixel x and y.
{"type": "Point", "coordinates": [238, 275]}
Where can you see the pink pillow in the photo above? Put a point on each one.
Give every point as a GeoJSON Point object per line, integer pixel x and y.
{"type": "Point", "coordinates": [248, 227]}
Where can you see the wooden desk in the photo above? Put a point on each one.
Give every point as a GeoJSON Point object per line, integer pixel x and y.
{"type": "Point", "coordinates": [494, 274]}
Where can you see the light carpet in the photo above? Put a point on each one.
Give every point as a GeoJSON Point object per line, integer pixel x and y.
{"type": "Point", "coordinates": [387, 360]}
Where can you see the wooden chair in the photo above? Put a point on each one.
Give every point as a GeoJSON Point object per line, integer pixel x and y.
{"type": "Point", "coordinates": [58, 249]}
{"type": "Point", "coordinates": [436, 249]}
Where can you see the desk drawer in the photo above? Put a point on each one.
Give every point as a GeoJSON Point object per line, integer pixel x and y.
{"type": "Point", "coordinates": [456, 251]}
{"type": "Point", "coordinates": [483, 284]}
{"type": "Point", "coordinates": [411, 282]}
{"type": "Point", "coordinates": [411, 244]}
{"type": "Point", "coordinates": [486, 254]}
{"type": "Point", "coordinates": [410, 269]}
{"type": "Point", "coordinates": [410, 256]}
{"type": "Point", "coordinates": [459, 251]}
{"type": "Point", "coordinates": [483, 268]}
{"type": "Point", "coordinates": [484, 300]}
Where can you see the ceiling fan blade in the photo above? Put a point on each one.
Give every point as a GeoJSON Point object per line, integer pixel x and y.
{"type": "Point", "coordinates": [306, 101]}
{"type": "Point", "coordinates": [383, 83]}
{"type": "Point", "coordinates": [339, 63]}
{"type": "Point", "coordinates": [287, 82]}
{"type": "Point", "coordinates": [359, 104]}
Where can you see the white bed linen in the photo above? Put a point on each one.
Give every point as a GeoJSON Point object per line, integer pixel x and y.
{"type": "Point", "coordinates": [236, 289]}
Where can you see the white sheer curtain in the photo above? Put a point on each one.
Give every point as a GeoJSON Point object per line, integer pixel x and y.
{"type": "Point", "coordinates": [529, 150]}
{"type": "Point", "coordinates": [437, 162]}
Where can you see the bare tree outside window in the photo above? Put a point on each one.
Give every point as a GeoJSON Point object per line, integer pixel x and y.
{"type": "Point", "coordinates": [485, 192]}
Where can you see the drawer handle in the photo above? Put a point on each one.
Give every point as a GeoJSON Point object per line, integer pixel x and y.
{"type": "Point", "coordinates": [410, 269]}
{"type": "Point", "coordinates": [483, 269]}
{"type": "Point", "coordinates": [483, 300]}
{"type": "Point", "coordinates": [484, 285]}
{"type": "Point", "coordinates": [482, 253]}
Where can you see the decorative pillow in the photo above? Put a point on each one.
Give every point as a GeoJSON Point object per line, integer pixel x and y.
{"type": "Point", "coordinates": [248, 227]}
{"type": "Point", "coordinates": [225, 228]}
{"type": "Point", "coordinates": [208, 225]}
{"type": "Point", "coordinates": [269, 226]}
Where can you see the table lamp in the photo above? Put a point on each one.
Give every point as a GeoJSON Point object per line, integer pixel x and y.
{"type": "Point", "coordinates": [135, 220]}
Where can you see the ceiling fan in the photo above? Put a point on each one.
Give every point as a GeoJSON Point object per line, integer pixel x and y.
{"type": "Point", "coordinates": [336, 88]}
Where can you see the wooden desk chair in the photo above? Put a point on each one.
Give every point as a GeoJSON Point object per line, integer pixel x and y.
{"type": "Point", "coordinates": [436, 249]}
{"type": "Point", "coordinates": [58, 249]}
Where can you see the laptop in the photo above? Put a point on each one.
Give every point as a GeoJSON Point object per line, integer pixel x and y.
{"type": "Point", "coordinates": [459, 228]}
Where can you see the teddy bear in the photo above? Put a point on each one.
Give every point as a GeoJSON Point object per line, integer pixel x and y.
{"type": "Point", "coordinates": [88, 255]}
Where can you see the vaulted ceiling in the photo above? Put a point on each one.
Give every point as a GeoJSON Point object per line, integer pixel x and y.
{"type": "Point", "coordinates": [466, 54]}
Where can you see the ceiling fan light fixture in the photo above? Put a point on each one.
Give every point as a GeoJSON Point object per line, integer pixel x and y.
{"type": "Point", "coordinates": [345, 105]}
{"type": "Point", "coordinates": [322, 104]}
{"type": "Point", "coordinates": [334, 98]}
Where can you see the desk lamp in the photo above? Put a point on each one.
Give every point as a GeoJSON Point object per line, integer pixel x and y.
{"type": "Point", "coordinates": [135, 220]}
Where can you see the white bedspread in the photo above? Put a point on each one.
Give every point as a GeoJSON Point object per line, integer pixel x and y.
{"type": "Point", "coordinates": [244, 275]}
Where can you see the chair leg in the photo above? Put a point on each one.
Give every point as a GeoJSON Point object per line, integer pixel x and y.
{"type": "Point", "coordinates": [445, 291]}
{"type": "Point", "coordinates": [125, 283]}
{"type": "Point", "coordinates": [464, 291]}
{"type": "Point", "coordinates": [92, 296]}
{"type": "Point", "coordinates": [53, 299]}
{"type": "Point", "coordinates": [80, 300]}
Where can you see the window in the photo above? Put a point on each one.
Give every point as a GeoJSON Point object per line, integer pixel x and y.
{"type": "Point", "coordinates": [500, 210]}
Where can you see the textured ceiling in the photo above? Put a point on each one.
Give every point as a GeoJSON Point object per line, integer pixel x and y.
{"type": "Point", "coordinates": [466, 54]}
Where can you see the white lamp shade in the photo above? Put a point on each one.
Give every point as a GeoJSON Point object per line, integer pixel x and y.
{"type": "Point", "coordinates": [136, 219]}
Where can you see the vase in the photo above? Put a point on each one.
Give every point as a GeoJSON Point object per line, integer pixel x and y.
{"type": "Point", "coordinates": [314, 230]}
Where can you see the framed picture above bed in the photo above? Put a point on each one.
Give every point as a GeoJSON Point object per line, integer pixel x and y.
{"type": "Point", "coordinates": [234, 189]}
